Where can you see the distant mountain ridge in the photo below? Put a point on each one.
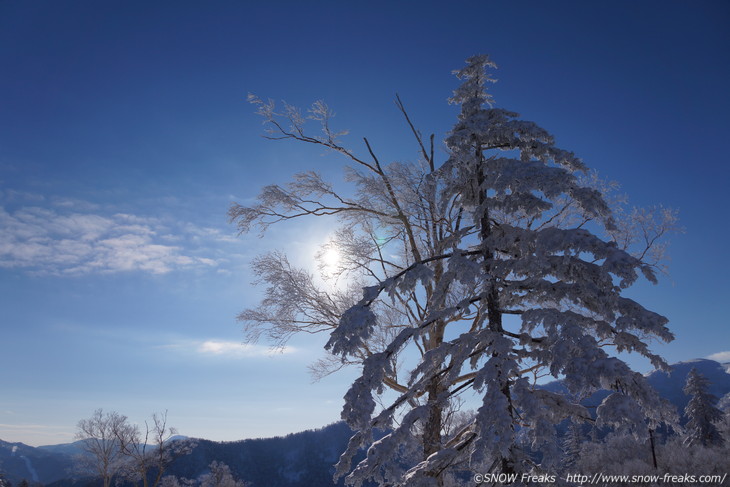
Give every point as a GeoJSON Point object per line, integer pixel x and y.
{"type": "Point", "coordinates": [670, 386]}
{"type": "Point", "coordinates": [19, 461]}
{"type": "Point", "coordinates": [302, 459]}
{"type": "Point", "coordinates": [70, 449]}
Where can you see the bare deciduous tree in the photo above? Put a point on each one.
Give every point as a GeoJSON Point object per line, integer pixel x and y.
{"type": "Point", "coordinates": [150, 452]}
{"type": "Point", "coordinates": [114, 446]}
{"type": "Point", "coordinates": [100, 442]}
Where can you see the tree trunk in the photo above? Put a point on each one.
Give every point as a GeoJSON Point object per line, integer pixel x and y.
{"type": "Point", "coordinates": [653, 449]}
{"type": "Point", "coordinates": [494, 312]}
{"type": "Point", "coordinates": [432, 440]}
{"type": "Point", "coordinates": [434, 424]}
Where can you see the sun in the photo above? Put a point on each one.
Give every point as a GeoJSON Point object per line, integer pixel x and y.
{"type": "Point", "coordinates": [329, 258]}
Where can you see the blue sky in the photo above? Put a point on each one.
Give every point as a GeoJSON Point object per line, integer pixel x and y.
{"type": "Point", "coordinates": [125, 135]}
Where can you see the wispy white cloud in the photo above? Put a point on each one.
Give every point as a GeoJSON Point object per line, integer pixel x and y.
{"type": "Point", "coordinates": [720, 356]}
{"type": "Point", "coordinates": [221, 347]}
{"type": "Point", "coordinates": [25, 196]}
{"type": "Point", "coordinates": [227, 348]}
{"type": "Point", "coordinates": [76, 204]}
{"type": "Point", "coordinates": [217, 347]}
{"type": "Point", "coordinates": [73, 237]}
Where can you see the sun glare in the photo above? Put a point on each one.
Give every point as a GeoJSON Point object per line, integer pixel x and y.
{"type": "Point", "coordinates": [330, 259]}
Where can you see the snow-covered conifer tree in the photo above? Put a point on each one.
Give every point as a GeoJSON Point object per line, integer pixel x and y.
{"type": "Point", "coordinates": [572, 444]}
{"type": "Point", "coordinates": [504, 261]}
{"type": "Point", "coordinates": [701, 412]}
